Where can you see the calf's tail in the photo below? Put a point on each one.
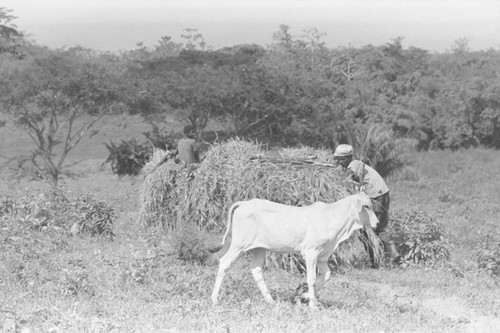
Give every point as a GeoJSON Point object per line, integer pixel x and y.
{"type": "Point", "coordinates": [229, 221]}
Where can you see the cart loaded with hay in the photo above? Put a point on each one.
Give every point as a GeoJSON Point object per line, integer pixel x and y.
{"type": "Point", "coordinates": [174, 196]}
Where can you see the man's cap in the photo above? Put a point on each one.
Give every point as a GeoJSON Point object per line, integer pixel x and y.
{"type": "Point", "coordinates": [343, 151]}
{"type": "Point", "coordinates": [188, 128]}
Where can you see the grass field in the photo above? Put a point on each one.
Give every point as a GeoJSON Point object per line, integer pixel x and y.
{"type": "Point", "coordinates": [53, 281]}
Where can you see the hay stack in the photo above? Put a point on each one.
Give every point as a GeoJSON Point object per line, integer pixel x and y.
{"type": "Point", "coordinates": [161, 190]}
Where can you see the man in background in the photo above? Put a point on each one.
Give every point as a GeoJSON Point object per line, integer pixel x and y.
{"type": "Point", "coordinates": [375, 187]}
{"type": "Point", "coordinates": [187, 147]}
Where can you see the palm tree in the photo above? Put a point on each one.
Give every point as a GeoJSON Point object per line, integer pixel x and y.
{"type": "Point", "coordinates": [376, 146]}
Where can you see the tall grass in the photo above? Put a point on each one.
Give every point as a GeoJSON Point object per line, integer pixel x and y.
{"type": "Point", "coordinates": [461, 189]}
{"type": "Point", "coordinates": [58, 282]}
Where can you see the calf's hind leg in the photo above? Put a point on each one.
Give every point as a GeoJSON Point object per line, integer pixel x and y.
{"type": "Point", "coordinates": [224, 264]}
{"type": "Point", "coordinates": [311, 262]}
{"type": "Point", "coordinates": [258, 259]}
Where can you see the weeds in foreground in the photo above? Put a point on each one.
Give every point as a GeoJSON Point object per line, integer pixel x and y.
{"type": "Point", "coordinates": [190, 244]}
{"type": "Point", "coordinates": [421, 238]}
{"type": "Point", "coordinates": [84, 214]}
{"type": "Point", "coordinates": [55, 282]}
{"type": "Point", "coordinates": [488, 256]}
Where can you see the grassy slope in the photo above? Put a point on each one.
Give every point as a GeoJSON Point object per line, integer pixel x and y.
{"type": "Point", "coordinates": [135, 284]}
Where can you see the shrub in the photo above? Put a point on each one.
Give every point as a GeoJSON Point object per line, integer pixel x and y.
{"type": "Point", "coordinates": [420, 237]}
{"type": "Point", "coordinates": [190, 244]}
{"type": "Point", "coordinates": [488, 256]}
{"type": "Point", "coordinates": [96, 217]}
{"type": "Point", "coordinates": [129, 157]}
{"type": "Point", "coordinates": [54, 210]}
{"type": "Point", "coordinates": [39, 211]}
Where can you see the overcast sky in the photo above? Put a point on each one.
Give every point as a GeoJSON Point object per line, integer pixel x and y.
{"type": "Point", "coordinates": [120, 24]}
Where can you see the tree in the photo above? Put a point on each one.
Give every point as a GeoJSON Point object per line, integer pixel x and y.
{"type": "Point", "coordinates": [460, 46]}
{"type": "Point", "coordinates": [311, 98]}
{"type": "Point", "coordinates": [56, 97]}
{"type": "Point", "coordinates": [194, 39]}
{"type": "Point", "coordinates": [196, 94]}
{"type": "Point", "coordinates": [10, 36]}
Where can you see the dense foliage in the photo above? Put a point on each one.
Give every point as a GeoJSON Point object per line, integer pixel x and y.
{"type": "Point", "coordinates": [54, 211]}
{"type": "Point", "coordinates": [488, 256]}
{"type": "Point", "coordinates": [421, 238]}
{"type": "Point", "coordinates": [129, 157]}
{"type": "Point", "coordinates": [296, 91]}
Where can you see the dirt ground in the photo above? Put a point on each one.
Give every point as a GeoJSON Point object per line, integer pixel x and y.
{"type": "Point", "coordinates": [453, 310]}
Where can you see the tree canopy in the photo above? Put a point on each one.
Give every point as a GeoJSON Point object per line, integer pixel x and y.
{"type": "Point", "coordinates": [295, 91]}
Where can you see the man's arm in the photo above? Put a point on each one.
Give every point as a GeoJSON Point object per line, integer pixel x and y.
{"type": "Point", "coordinates": [195, 148]}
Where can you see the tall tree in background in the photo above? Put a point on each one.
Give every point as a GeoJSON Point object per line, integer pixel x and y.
{"type": "Point", "coordinates": [56, 97]}
{"type": "Point", "coordinates": [306, 80]}
{"type": "Point", "coordinates": [10, 37]}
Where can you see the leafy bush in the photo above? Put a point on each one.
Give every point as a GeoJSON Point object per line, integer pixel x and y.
{"type": "Point", "coordinates": [55, 211]}
{"type": "Point", "coordinates": [96, 217]}
{"type": "Point", "coordinates": [190, 244]}
{"type": "Point", "coordinates": [488, 256]}
{"type": "Point", "coordinates": [38, 211]}
{"type": "Point", "coordinates": [129, 157]}
{"type": "Point", "coordinates": [420, 237]}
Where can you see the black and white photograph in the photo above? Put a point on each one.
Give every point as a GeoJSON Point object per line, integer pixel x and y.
{"type": "Point", "coordinates": [249, 166]}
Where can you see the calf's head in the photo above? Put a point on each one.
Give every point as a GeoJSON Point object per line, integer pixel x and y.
{"type": "Point", "coordinates": [365, 208]}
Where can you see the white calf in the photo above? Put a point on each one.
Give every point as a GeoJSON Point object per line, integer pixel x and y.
{"type": "Point", "coordinates": [315, 231]}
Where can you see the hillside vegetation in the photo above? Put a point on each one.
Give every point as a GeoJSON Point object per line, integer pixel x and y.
{"type": "Point", "coordinates": [295, 91]}
{"type": "Point", "coordinates": [56, 280]}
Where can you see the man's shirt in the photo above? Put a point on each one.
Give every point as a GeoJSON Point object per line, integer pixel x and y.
{"type": "Point", "coordinates": [188, 150]}
{"type": "Point", "coordinates": [373, 184]}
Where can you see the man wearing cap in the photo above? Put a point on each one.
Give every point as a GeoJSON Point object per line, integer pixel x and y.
{"type": "Point", "coordinates": [375, 187]}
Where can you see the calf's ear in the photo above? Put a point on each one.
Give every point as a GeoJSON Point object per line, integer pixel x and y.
{"type": "Point", "coordinates": [359, 203]}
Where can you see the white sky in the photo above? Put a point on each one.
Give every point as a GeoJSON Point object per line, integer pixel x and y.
{"type": "Point", "coordinates": [120, 24]}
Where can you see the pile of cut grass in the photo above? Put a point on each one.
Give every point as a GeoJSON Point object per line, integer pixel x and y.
{"type": "Point", "coordinates": [173, 195]}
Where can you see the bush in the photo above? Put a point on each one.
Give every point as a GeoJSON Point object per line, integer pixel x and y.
{"type": "Point", "coordinates": [421, 238]}
{"type": "Point", "coordinates": [488, 256]}
{"type": "Point", "coordinates": [190, 244]}
{"type": "Point", "coordinates": [96, 217]}
{"type": "Point", "coordinates": [129, 157]}
{"type": "Point", "coordinates": [53, 210]}
{"type": "Point", "coordinates": [38, 211]}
